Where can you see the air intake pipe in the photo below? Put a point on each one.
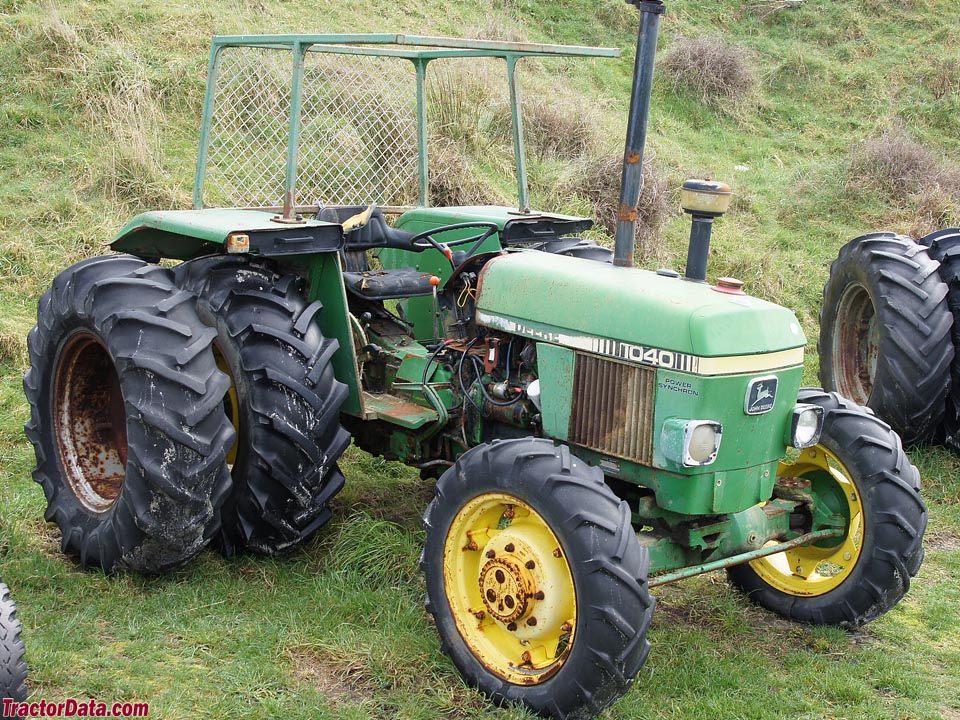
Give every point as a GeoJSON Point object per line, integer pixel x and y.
{"type": "Point", "coordinates": [704, 200]}
{"type": "Point", "coordinates": [632, 179]}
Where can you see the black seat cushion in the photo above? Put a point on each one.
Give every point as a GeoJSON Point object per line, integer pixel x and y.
{"type": "Point", "coordinates": [389, 284]}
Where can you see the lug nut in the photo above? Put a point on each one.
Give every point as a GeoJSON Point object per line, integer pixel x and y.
{"type": "Point", "coordinates": [538, 595]}
{"type": "Point", "coordinates": [530, 565]}
{"type": "Point", "coordinates": [509, 547]}
{"type": "Point", "coordinates": [512, 627]}
{"type": "Point", "coordinates": [491, 554]}
{"type": "Point", "coordinates": [531, 621]}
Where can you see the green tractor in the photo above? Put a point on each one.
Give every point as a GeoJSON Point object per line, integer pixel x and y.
{"type": "Point", "coordinates": [597, 430]}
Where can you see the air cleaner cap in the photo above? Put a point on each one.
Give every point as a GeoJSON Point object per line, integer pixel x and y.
{"type": "Point", "coordinates": [706, 198]}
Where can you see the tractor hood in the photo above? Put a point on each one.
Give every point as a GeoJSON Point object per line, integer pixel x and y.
{"type": "Point", "coordinates": [636, 315]}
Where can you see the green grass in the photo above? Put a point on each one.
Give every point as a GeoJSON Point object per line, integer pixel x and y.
{"type": "Point", "coordinates": [98, 118]}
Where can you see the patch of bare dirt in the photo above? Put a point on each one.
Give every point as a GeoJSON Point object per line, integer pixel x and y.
{"type": "Point", "coordinates": [344, 682]}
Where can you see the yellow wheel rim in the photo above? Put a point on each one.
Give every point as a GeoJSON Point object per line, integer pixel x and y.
{"type": "Point", "coordinates": [510, 588]}
{"type": "Point", "coordinates": [231, 404]}
{"type": "Point", "coordinates": [818, 568]}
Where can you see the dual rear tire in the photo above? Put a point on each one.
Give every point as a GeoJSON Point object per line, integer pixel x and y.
{"type": "Point", "coordinates": [134, 425]}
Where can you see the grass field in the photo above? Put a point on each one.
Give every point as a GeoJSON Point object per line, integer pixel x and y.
{"type": "Point", "coordinates": [100, 106]}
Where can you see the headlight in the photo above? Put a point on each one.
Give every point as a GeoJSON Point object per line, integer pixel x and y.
{"type": "Point", "coordinates": [805, 426]}
{"type": "Point", "coordinates": [691, 443]}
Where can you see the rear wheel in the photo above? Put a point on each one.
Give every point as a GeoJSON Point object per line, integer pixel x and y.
{"type": "Point", "coordinates": [944, 247]}
{"type": "Point", "coordinates": [885, 333]}
{"type": "Point", "coordinates": [576, 247]}
{"type": "Point", "coordinates": [284, 401]}
{"type": "Point", "coordinates": [858, 478]}
{"type": "Point", "coordinates": [126, 416]}
{"type": "Point", "coordinates": [535, 579]}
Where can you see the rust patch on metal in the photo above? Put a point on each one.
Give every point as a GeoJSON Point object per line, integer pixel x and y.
{"type": "Point", "coordinates": [90, 424]}
{"type": "Point", "coordinates": [633, 158]}
{"type": "Point", "coordinates": [627, 214]}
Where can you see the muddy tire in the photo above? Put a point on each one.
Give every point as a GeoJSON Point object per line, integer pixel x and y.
{"type": "Point", "coordinates": [284, 401]}
{"type": "Point", "coordinates": [858, 470]}
{"type": "Point", "coordinates": [885, 333]}
{"type": "Point", "coordinates": [944, 247]}
{"type": "Point", "coordinates": [535, 579]}
{"type": "Point", "coordinates": [13, 661]}
{"type": "Point", "coordinates": [126, 416]}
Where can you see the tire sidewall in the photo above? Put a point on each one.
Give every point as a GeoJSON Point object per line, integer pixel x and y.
{"type": "Point", "coordinates": [561, 688]}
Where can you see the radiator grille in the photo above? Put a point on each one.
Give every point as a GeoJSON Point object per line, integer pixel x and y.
{"type": "Point", "coordinates": [613, 408]}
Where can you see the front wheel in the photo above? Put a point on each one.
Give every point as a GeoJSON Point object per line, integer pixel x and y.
{"type": "Point", "coordinates": [535, 579]}
{"type": "Point", "coordinates": [860, 478]}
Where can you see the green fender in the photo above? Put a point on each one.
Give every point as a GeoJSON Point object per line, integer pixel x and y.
{"type": "Point", "coordinates": [186, 234]}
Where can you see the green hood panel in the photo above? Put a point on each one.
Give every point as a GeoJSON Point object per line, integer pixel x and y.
{"type": "Point", "coordinates": [569, 295]}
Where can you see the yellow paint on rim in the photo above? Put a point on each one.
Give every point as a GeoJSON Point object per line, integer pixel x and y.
{"type": "Point", "coordinates": [231, 404]}
{"type": "Point", "coordinates": [812, 570]}
{"type": "Point", "coordinates": [510, 588]}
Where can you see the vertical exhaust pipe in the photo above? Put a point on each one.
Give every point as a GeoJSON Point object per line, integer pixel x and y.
{"type": "Point", "coordinates": [632, 179]}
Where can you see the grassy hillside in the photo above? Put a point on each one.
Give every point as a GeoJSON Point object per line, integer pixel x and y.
{"type": "Point", "coordinates": [99, 108]}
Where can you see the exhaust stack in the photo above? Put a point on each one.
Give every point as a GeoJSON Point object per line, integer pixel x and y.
{"type": "Point", "coordinates": [632, 179]}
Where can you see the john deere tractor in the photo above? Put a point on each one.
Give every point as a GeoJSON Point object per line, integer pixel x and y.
{"type": "Point", "coordinates": [597, 430]}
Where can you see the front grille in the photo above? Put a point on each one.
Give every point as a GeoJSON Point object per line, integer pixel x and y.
{"type": "Point", "coordinates": [613, 408]}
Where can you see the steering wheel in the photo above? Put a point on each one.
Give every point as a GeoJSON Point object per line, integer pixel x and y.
{"type": "Point", "coordinates": [425, 239]}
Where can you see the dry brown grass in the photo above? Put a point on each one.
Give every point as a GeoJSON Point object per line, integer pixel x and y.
{"type": "Point", "coordinates": [894, 163]}
{"type": "Point", "coordinates": [560, 126]}
{"type": "Point", "coordinates": [713, 70]}
{"type": "Point", "coordinates": [597, 180]}
{"type": "Point", "coordinates": [917, 180]}
{"type": "Point", "coordinates": [453, 182]}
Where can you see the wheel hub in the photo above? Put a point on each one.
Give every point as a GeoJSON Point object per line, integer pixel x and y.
{"type": "Point", "coordinates": [506, 589]}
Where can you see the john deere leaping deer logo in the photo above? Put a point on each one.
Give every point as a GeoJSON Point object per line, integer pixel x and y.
{"type": "Point", "coordinates": [761, 395]}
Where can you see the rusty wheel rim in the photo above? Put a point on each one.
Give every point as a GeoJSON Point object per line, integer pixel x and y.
{"type": "Point", "coordinates": [856, 344]}
{"type": "Point", "coordinates": [89, 421]}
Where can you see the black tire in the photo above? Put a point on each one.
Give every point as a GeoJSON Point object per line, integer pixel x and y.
{"type": "Point", "coordinates": [597, 548]}
{"type": "Point", "coordinates": [894, 519]}
{"type": "Point", "coordinates": [944, 247]}
{"type": "Point", "coordinates": [576, 247]}
{"type": "Point", "coordinates": [126, 416]}
{"type": "Point", "coordinates": [885, 333]}
{"type": "Point", "coordinates": [288, 401]}
{"type": "Point", "coordinates": [13, 661]}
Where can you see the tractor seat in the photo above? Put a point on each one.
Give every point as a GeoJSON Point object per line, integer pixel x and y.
{"type": "Point", "coordinates": [388, 284]}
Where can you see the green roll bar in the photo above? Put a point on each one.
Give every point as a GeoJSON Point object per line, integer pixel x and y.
{"type": "Point", "coordinates": [419, 50]}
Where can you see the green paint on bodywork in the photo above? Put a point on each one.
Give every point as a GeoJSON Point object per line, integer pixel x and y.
{"type": "Point", "coordinates": [555, 370]}
{"type": "Point", "coordinates": [326, 285]}
{"type": "Point", "coordinates": [419, 311]}
{"type": "Point", "coordinates": [723, 536]}
{"type": "Point", "coordinates": [635, 306]}
{"type": "Point", "coordinates": [185, 234]}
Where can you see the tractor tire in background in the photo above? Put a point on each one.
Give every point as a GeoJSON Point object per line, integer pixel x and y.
{"type": "Point", "coordinates": [284, 401]}
{"type": "Point", "coordinates": [885, 333]}
{"type": "Point", "coordinates": [859, 471]}
{"type": "Point", "coordinates": [126, 416]}
{"type": "Point", "coordinates": [13, 662]}
{"type": "Point", "coordinates": [535, 579]}
{"type": "Point", "coordinates": [576, 247]}
{"type": "Point", "coordinates": [944, 247]}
